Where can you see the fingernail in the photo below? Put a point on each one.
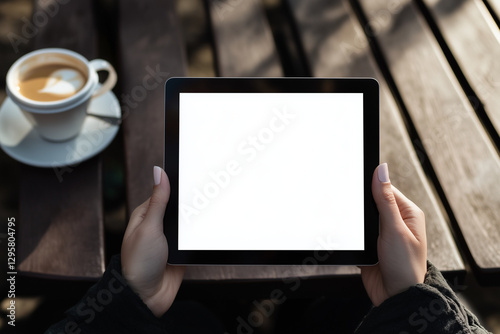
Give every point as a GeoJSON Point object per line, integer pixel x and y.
{"type": "Point", "coordinates": [383, 173]}
{"type": "Point", "coordinates": [157, 175]}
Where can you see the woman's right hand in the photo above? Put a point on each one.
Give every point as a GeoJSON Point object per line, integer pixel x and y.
{"type": "Point", "coordinates": [402, 243]}
{"type": "Point", "coordinates": [145, 251]}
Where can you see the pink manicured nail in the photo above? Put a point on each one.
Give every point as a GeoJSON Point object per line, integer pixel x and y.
{"type": "Point", "coordinates": [383, 173]}
{"type": "Point", "coordinates": [157, 175]}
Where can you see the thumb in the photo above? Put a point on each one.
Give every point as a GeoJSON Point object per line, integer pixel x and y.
{"type": "Point", "coordinates": [159, 198]}
{"type": "Point", "coordinates": [387, 206]}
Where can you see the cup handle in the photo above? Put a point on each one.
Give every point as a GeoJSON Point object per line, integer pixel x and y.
{"type": "Point", "coordinates": [103, 65]}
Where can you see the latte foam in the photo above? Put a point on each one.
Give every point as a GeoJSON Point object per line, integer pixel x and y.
{"type": "Point", "coordinates": [63, 82]}
{"type": "Point", "coordinates": [51, 82]}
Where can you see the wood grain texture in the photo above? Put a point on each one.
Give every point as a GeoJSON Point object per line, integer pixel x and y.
{"type": "Point", "coordinates": [474, 39]}
{"type": "Point", "coordinates": [465, 162]}
{"type": "Point", "coordinates": [61, 223]}
{"type": "Point", "coordinates": [244, 44]}
{"type": "Point", "coordinates": [72, 26]}
{"type": "Point", "coordinates": [151, 51]}
{"type": "Point", "coordinates": [495, 5]}
{"type": "Point", "coordinates": [238, 273]}
{"type": "Point", "coordinates": [336, 46]}
{"type": "Point", "coordinates": [61, 230]}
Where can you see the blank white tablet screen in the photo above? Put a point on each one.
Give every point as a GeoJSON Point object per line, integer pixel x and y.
{"type": "Point", "coordinates": [271, 171]}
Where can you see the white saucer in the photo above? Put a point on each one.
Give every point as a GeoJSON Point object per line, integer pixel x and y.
{"type": "Point", "coordinates": [19, 140]}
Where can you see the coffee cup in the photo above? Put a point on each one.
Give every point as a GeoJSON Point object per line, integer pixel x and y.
{"type": "Point", "coordinates": [53, 88]}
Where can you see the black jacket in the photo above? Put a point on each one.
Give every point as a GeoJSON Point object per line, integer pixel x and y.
{"type": "Point", "coordinates": [110, 306]}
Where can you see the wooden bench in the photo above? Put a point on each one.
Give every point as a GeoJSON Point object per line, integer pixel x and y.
{"type": "Point", "coordinates": [454, 147]}
{"type": "Point", "coordinates": [462, 24]}
{"type": "Point", "coordinates": [442, 152]}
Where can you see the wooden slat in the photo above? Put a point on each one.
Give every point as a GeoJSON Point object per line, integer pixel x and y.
{"type": "Point", "coordinates": [61, 223]}
{"type": "Point", "coordinates": [244, 44]}
{"type": "Point", "coordinates": [250, 273]}
{"type": "Point", "coordinates": [150, 51]}
{"type": "Point", "coordinates": [474, 39]}
{"type": "Point", "coordinates": [465, 161]}
{"type": "Point", "coordinates": [336, 46]}
{"type": "Point", "coordinates": [61, 229]}
{"type": "Point", "coordinates": [495, 5]}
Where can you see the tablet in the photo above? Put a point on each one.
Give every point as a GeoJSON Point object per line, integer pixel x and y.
{"type": "Point", "coordinates": [271, 171]}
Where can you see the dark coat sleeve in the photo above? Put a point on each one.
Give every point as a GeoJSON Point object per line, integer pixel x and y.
{"type": "Point", "coordinates": [110, 306]}
{"type": "Point", "coordinates": [431, 307]}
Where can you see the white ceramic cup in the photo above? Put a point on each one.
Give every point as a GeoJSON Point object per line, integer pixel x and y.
{"type": "Point", "coordinates": [59, 120]}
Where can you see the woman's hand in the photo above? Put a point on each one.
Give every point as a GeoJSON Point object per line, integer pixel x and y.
{"type": "Point", "coordinates": [145, 251]}
{"type": "Point", "coordinates": [402, 243]}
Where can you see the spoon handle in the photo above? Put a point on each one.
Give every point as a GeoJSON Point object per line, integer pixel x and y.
{"type": "Point", "coordinates": [113, 120]}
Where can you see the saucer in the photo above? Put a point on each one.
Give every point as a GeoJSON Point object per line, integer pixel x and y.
{"type": "Point", "coordinates": [20, 141]}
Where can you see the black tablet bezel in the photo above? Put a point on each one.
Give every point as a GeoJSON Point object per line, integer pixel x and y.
{"type": "Point", "coordinates": [367, 86]}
